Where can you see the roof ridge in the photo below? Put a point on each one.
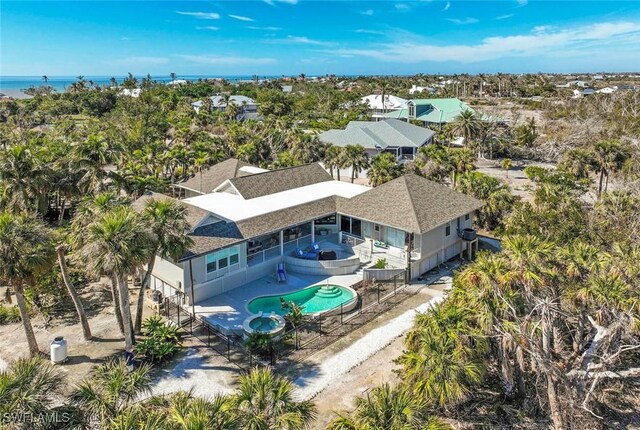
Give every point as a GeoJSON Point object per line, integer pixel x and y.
{"type": "Point", "coordinates": [413, 206]}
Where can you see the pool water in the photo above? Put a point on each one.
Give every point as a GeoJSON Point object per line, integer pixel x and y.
{"type": "Point", "coordinates": [263, 324]}
{"type": "Point", "coordinates": [316, 299]}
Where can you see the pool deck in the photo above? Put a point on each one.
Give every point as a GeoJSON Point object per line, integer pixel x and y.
{"type": "Point", "coordinates": [228, 311]}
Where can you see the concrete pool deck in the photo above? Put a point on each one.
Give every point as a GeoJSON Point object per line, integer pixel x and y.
{"type": "Point", "coordinates": [228, 311]}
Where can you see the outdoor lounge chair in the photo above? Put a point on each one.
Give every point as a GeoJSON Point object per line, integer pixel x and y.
{"type": "Point", "coordinates": [379, 244]}
{"type": "Point", "coordinates": [281, 274]}
{"type": "Point", "coordinates": [315, 247]}
{"type": "Point", "coordinates": [306, 255]}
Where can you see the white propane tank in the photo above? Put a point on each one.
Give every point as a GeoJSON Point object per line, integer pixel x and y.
{"type": "Point", "coordinates": [58, 350]}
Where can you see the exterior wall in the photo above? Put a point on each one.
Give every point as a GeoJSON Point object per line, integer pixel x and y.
{"type": "Point", "coordinates": [189, 193]}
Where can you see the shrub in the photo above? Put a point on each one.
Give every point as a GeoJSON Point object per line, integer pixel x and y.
{"type": "Point", "coordinates": [9, 314]}
{"type": "Point", "coordinates": [259, 343]}
{"type": "Point", "coordinates": [161, 341]}
{"type": "Point", "coordinates": [380, 264]}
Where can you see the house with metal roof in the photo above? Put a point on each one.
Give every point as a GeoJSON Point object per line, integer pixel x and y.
{"type": "Point", "coordinates": [391, 135]}
{"type": "Point", "coordinates": [246, 106]}
{"type": "Point", "coordinates": [431, 112]}
{"type": "Point", "coordinates": [317, 228]}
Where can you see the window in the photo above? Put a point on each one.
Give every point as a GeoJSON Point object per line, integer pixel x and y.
{"type": "Point", "coordinates": [222, 259]}
{"type": "Point", "coordinates": [466, 217]}
{"type": "Point", "coordinates": [356, 227]}
{"type": "Point", "coordinates": [211, 263]}
{"type": "Point", "coordinates": [345, 224]}
{"type": "Point", "coordinates": [447, 231]}
{"type": "Point", "coordinates": [351, 225]}
{"type": "Point", "coordinates": [412, 110]}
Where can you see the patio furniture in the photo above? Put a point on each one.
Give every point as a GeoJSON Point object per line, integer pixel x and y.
{"type": "Point", "coordinates": [327, 254]}
{"type": "Point", "coordinates": [315, 247]}
{"type": "Point", "coordinates": [379, 244]}
{"type": "Point", "coordinates": [281, 274]}
{"type": "Point", "coordinates": [306, 255]}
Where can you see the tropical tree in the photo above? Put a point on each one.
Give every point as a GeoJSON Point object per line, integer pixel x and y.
{"type": "Point", "coordinates": [265, 401]}
{"type": "Point", "coordinates": [116, 245]}
{"type": "Point", "coordinates": [332, 159]}
{"type": "Point", "coordinates": [578, 162]}
{"type": "Point", "coordinates": [168, 226]}
{"type": "Point", "coordinates": [356, 158]}
{"type": "Point", "coordinates": [461, 162]}
{"type": "Point", "coordinates": [77, 302]}
{"type": "Point", "coordinates": [388, 408]}
{"type": "Point", "coordinates": [384, 168]}
{"type": "Point", "coordinates": [29, 387]}
{"type": "Point", "coordinates": [506, 164]}
{"type": "Point", "coordinates": [25, 251]}
{"type": "Point", "coordinates": [110, 391]}
{"type": "Point", "coordinates": [609, 156]}
{"type": "Point", "coordinates": [468, 125]}
{"type": "Point", "coordinates": [23, 179]}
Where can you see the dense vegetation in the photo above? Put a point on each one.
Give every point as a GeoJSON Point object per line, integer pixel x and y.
{"type": "Point", "coordinates": [544, 333]}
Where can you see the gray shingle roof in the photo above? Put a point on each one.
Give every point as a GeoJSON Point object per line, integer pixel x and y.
{"type": "Point", "coordinates": [380, 134]}
{"type": "Point", "coordinates": [194, 214]}
{"type": "Point", "coordinates": [214, 176]}
{"type": "Point", "coordinates": [411, 203]}
{"type": "Point", "coordinates": [275, 181]}
{"type": "Point", "coordinates": [223, 234]}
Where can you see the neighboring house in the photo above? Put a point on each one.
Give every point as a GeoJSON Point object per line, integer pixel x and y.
{"type": "Point", "coordinates": [391, 135]}
{"type": "Point", "coordinates": [582, 93]}
{"type": "Point", "coordinates": [177, 82]}
{"type": "Point", "coordinates": [134, 92]}
{"type": "Point", "coordinates": [379, 106]}
{"type": "Point", "coordinates": [287, 88]}
{"type": "Point", "coordinates": [431, 112]}
{"type": "Point", "coordinates": [607, 90]}
{"type": "Point", "coordinates": [416, 89]}
{"type": "Point", "coordinates": [249, 224]}
{"type": "Point", "coordinates": [213, 177]}
{"type": "Point", "coordinates": [247, 107]}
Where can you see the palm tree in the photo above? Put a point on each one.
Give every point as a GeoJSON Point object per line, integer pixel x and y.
{"type": "Point", "coordinates": [577, 161]}
{"type": "Point", "coordinates": [609, 156]}
{"type": "Point", "coordinates": [86, 330]}
{"type": "Point", "coordinates": [25, 251]}
{"type": "Point", "coordinates": [388, 408]}
{"type": "Point", "coordinates": [28, 386]}
{"type": "Point", "coordinates": [461, 162]}
{"type": "Point", "coordinates": [186, 412]}
{"type": "Point", "coordinates": [331, 159]}
{"type": "Point", "coordinates": [506, 165]}
{"type": "Point", "coordinates": [45, 78]}
{"type": "Point", "coordinates": [110, 391]}
{"type": "Point", "coordinates": [24, 178]}
{"type": "Point", "coordinates": [356, 158]}
{"type": "Point", "coordinates": [87, 212]}
{"type": "Point", "coordinates": [467, 125]}
{"type": "Point", "coordinates": [168, 225]}
{"type": "Point", "coordinates": [384, 168]}
{"type": "Point", "coordinates": [117, 244]}
{"type": "Point", "coordinates": [265, 401]}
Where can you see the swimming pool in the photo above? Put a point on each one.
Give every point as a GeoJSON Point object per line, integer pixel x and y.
{"type": "Point", "coordinates": [314, 300]}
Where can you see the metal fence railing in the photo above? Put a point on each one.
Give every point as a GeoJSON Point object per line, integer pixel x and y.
{"type": "Point", "coordinates": [373, 298]}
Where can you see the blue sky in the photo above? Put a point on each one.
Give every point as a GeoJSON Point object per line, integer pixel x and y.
{"type": "Point", "coordinates": [273, 37]}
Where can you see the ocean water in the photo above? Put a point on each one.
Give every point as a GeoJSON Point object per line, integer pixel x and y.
{"type": "Point", "coordinates": [61, 83]}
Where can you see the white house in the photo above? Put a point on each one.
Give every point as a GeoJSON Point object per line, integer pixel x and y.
{"type": "Point", "coordinates": [249, 224]}
{"type": "Point", "coordinates": [416, 89]}
{"type": "Point", "coordinates": [379, 106]}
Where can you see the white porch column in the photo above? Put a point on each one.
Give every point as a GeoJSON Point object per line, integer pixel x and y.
{"type": "Point", "coordinates": [281, 243]}
{"type": "Point", "coordinates": [313, 230]}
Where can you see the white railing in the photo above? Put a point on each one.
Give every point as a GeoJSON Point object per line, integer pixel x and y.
{"type": "Point", "coordinates": [301, 242]}
{"type": "Point", "coordinates": [264, 255]}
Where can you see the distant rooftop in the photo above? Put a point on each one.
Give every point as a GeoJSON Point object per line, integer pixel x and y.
{"type": "Point", "coordinates": [379, 134]}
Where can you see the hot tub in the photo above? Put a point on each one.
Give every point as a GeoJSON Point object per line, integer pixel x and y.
{"type": "Point", "coordinates": [268, 323]}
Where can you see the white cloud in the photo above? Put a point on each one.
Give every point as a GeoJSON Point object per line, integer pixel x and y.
{"type": "Point", "coordinates": [447, 6]}
{"type": "Point", "coordinates": [368, 12]}
{"type": "Point", "coordinates": [402, 7]}
{"type": "Point", "coordinates": [208, 27]}
{"type": "Point", "coordinates": [125, 38]}
{"type": "Point", "coordinates": [522, 2]}
{"type": "Point", "coordinates": [509, 15]}
{"type": "Point", "coordinates": [241, 18]}
{"type": "Point", "coordinates": [273, 2]}
{"type": "Point", "coordinates": [535, 43]}
{"type": "Point", "coordinates": [223, 60]}
{"type": "Point", "coordinates": [140, 61]}
{"type": "Point", "coordinates": [253, 27]}
{"type": "Point", "coordinates": [303, 40]}
{"type": "Point", "coordinates": [367, 31]}
{"type": "Point", "coordinates": [201, 15]}
{"type": "Point", "coordinates": [465, 21]}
